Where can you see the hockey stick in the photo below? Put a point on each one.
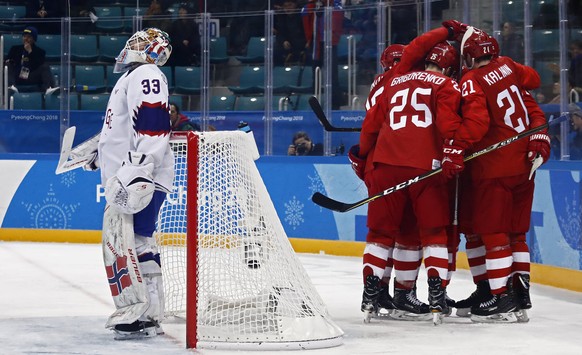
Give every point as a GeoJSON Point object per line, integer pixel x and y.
{"type": "Point", "coordinates": [334, 205]}
{"type": "Point", "coordinates": [316, 107]}
{"type": "Point", "coordinates": [73, 158]}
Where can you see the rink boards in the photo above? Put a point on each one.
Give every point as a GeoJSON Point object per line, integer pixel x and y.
{"type": "Point", "coordinates": [37, 205]}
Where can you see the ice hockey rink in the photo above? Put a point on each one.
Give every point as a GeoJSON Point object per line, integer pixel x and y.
{"type": "Point", "coordinates": [54, 299]}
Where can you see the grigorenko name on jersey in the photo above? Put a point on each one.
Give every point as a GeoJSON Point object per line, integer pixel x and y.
{"type": "Point", "coordinates": [420, 75]}
{"type": "Point", "coordinates": [495, 75]}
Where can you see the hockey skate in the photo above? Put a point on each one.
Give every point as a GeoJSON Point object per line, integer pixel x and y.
{"type": "Point", "coordinates": [370, 297]}
{"type": "Point", "coordinates": [482, 293]}
{"type": "Point", "coordinates": [408, 307]}
{"type": "Point", "coordinates": [498, 308]}
{"type": "Point", "coordinates": [385, 302]}
{"type": "Point", "coordinates": [437, 300]}
{"type": "Point", "coordinates": [521, 291]}
{"type": "Point", "coordinates": [137, 330]}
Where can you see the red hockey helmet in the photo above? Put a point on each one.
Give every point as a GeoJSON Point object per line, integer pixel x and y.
{"type": "Point", "coordinates": [477, 44]}
{"type": "Point", "coordinates": [445, 56]}
{"type": "Point", "coordinates": [391, 54]}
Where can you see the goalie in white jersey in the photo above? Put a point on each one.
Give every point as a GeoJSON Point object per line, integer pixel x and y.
{"type": "Point", "coordinates": [137, 170]}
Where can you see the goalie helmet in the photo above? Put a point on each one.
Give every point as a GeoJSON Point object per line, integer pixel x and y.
{"type": "Point", "coordinates": [445, 57]}
{"type": "Point", "coordinates": [478, 44]}
{"type": "Point", "coordinates": [150, 45]}
{"type": "Point", "coordinates": [391, 55]}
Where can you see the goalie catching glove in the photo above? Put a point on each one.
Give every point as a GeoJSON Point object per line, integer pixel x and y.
{"type": "Point", "coordinates": [539, 144]}
{"type": "Point", "coordinates": [132, 188]}
{"type": "Point", "coordinates": [453, 155]}
{"type": "Point", "coordinates": [358, 164]}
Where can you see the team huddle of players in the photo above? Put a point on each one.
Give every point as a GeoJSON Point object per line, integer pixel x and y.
{"type": "Point", "coordinates": [427, 111]}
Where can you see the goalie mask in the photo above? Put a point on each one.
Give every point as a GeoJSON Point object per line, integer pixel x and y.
{"type": "Point", "coordinates": [150, 45]}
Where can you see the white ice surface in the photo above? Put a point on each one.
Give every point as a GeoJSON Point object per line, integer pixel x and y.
{"type": "Point", "coordinates": [54, 299]}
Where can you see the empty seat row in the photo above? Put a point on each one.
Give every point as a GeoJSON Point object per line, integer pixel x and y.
{"type": "Point", "coordinates": [257, 103]}
{"type": "Point", "coordinates": [98, 102]}
{"type": "Point", "coordinates": [38, 101]}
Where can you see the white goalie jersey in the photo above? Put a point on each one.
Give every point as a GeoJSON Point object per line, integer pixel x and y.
{"type": "Point", "coordinates": [137, 120]}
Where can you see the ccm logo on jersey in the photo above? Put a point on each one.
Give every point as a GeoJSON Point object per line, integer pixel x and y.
{"type": "Point", "coordinates": [452, 151]}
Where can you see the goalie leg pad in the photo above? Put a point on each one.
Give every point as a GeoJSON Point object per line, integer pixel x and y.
{"type": "Point", "coordinates": [120, 256]}
{"type": "Point", "coordinates": [149, 261]}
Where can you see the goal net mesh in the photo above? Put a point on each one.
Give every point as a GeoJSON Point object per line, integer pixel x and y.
{"type": "Point", "coordinates": [251, 287]}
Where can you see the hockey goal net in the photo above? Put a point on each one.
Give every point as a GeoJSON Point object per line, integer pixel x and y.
{"type": "Point", "coordinates": [227, 263]}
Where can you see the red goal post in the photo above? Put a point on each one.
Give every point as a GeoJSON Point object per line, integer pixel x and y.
{"type": "Point", "coordinates": [227, 264]}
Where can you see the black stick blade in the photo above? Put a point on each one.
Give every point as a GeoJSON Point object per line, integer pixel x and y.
{"type": "Point", "coordinates": [316, 108]}
{"type": "Point", "coordinates": [331, 204]}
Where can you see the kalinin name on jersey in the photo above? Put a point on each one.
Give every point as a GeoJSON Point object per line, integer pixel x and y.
{"type": "Point", "coordinates": [494, 76]}
{"type": "Point", "coordinates": [420, 75]}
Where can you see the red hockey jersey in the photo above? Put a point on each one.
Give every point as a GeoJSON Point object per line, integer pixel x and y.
{"type": "Point", "coordinates": [412, 59]}
{"type": "Point", "coordinates": [494, 108]}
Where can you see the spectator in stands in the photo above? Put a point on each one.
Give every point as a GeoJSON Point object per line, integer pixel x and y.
{"type": "Point", "coordinates": [289, 35]}
{"type": "Point", "coordinates": [85, 10]}
{"type": "Point", "coordinates": [547, 17]}
{"type": "Point", "coordinates": [179, 121]}
{"type": "Point", "coordinates": [301, 144]}
{"type": "Point", "coordinates": [575, 71]}
{"type": "Point", "coordinates": [27, 66]}
{"type": "Point", "coordinates": [511, 43]}
{"type": "Point", "coordinates": [47, 13]}
{"type": "Point", "coordinates": [575, 137]}
{"type": "Point", "coordinates": [313, 25]}
{"type": "Point", "coordinates": [185, 39]}
{"type": "Point", "coordinates": [242, 28]}
{"type": "Point", "coordinates": [157, 15]}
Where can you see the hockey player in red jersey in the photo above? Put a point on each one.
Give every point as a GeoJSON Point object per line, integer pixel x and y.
{"type": "Point", "coordinates": [501, 194]}
{"type": "Point", "coordinates": [407, 111]}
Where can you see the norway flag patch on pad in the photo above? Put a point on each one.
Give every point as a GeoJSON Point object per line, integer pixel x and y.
{"type": "Point", "coordinates": [118, 276]}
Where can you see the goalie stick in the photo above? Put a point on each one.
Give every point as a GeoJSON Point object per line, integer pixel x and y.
{"type": "Point", "coordinates": [316, 107]}
{"type": "Point", "coordinates": [334, 205]}
{"type": "Point", "coordinates": [73, 158]}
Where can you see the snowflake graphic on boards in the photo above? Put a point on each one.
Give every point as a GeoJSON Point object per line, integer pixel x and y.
{"type": "Point", "coordinates": [294, 212]}
{"type": "Point", "coordinates": [50, 213]}
{"type": "Point", "coordinates": [315, 185]}
{"type": "Point", "coordinates": [69, 178]}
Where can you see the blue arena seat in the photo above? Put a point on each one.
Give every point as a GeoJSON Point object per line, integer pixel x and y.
{"type": "Point", "coordinates": [249, 103]}
{"type": "Point", "coordinates": [12, 12]}
{"type": "Point", "coordinates": [11, 40]}
{"type": "Point", "coordinates": [84, 48]}
{"type": "Point", "coordinates": [53, 102]}
{"type": "Point", "coordinates": [97, 102]}
{"type": "Point", "coordinates": [251, 81]}
{"type": "Point", "coordinates": [218, 50]}
{"type": "Point", "coordinates": [110, 19]}
{"type": "Point", "coordinates": [110, 46]}
{"type": "Point", "coordinates": [27, 101]}
{"type": "Point", "coordinates": [52, 47]}
{"type": "Point", "coordinates": [90, 78]}
{"type": "Point", "coordinates": [222, 103]}
{"type": "Point", "coordinates": [255, 51]}
{"type": "Point", "coordinates": [187, 80]}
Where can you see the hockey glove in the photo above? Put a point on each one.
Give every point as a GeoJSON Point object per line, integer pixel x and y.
{"type": "Point", "coordinates": [132, 188]}
{"type": "Point", "coordinates": [358, 164]}
{"type": "Point", "coordinates": [453, 154]}
{"type": "Point", "coordinates": [456, 29]}
{"type": "Point", "coordinates": [539, 144]}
